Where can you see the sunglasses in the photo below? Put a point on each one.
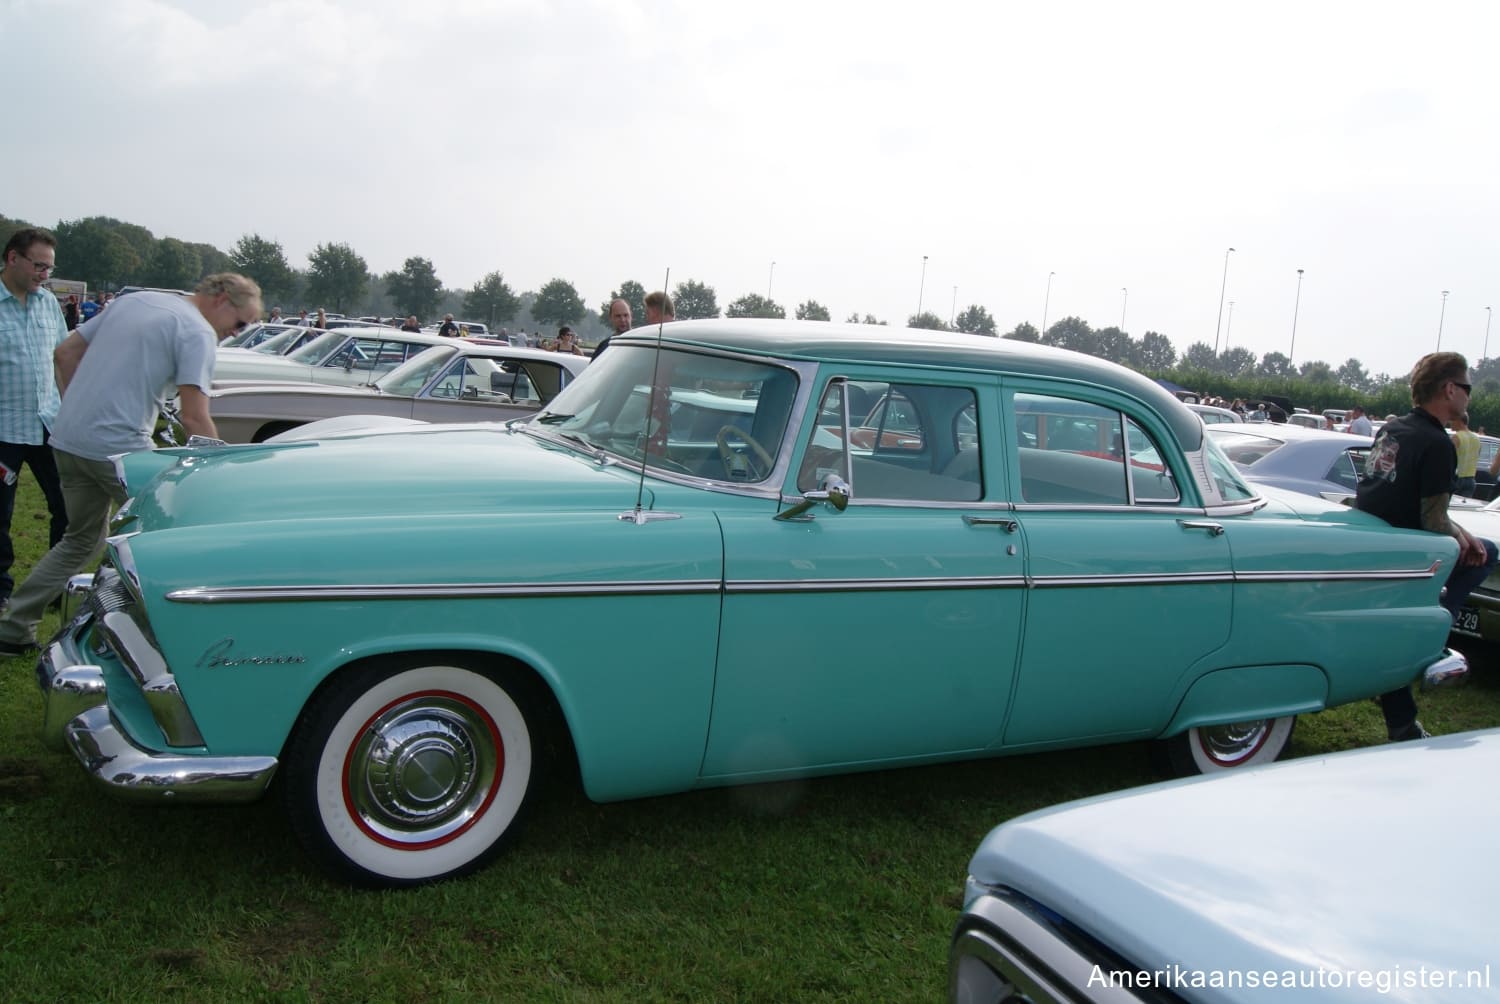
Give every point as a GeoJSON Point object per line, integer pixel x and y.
{"type": "Point", "coordinates": [1468, 388]}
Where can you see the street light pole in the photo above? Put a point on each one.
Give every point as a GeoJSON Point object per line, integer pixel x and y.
{"type": "Point", "coordinates": [1441, 311]}
{"type": "Point", "coordinates": [1045, 304]}
{"type": "Point", "coordinates": [922, 287]}
{"type": "Point", "coordinates": [1223, 284]}
{"type": "Point", "coordinates": [1292, 352]}
{"type": "Point", "coordinates": [953, 307]}
{"type": "Point", "coordinates": [1228, 325]}
{"type": "Point", "coordinates": [1485, 354]}
{"type": "Point", "coordinates": [771, 275]}
{"type": "Point", "coordinates": [1124, 299]}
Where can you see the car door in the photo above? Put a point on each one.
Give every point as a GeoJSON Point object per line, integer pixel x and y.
{"type": "Point", "coordinates": [1129, 586]}
{"type": "Point", "coordinates": [887, 631]}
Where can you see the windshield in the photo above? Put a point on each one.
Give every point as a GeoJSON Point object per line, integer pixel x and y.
{"type": "Point", "coordinates": [705, 417]}
{"type": "Point", "coordinates": [411, 376]}
{"type": "Point", "coordinates": [320, 348]}
{"type": "Point", "coordinates": [278, 342]}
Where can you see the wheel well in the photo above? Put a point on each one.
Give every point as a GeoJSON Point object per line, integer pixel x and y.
{"type": "Point", "coordinates": [270, 429]}
{"type": "Point", "coordinates": [554, 743]}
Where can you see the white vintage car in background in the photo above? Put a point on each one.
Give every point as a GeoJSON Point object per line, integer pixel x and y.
{"type": "Point", "coordinates": [343, 356]}
{"type": "Point", "coordinates": [453, 381]}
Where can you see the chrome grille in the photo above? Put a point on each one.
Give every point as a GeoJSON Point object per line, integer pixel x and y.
{"type": "Point", "coordinates": [109, 594]}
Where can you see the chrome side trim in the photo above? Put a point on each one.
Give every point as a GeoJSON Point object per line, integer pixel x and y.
{"type": "Point", "coordinates": [1180, 579]}
{"type": "Point", "coordinates": [278, 594]}
{"type": "Point", "coordinates": [149, 669]}
{"type": "Point", "coordinates": [139, 775]}
{"type": "Point", "coordinates": [450, 591]}
{"type": "Point", "coordinates": [872, 585]}
{"type": "Point", "coordinates": [1381, 575]}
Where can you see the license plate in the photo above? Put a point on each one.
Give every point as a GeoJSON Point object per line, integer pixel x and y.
{"type": "Point", "coordinates": [1468, 621]}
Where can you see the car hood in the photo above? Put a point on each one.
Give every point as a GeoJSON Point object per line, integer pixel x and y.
{"type": "Point", "coordinates": [1362, 862]}
{"type": "Point", "coordinates": [425, 470]}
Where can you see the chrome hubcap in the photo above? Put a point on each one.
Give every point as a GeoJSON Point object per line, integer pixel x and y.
{"type": "Point", "coordinates": [422, 770]}
{"type": "Point", "coordinates": [1235, 742]}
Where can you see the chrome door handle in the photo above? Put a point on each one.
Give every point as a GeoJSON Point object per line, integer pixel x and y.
{"type": "Point", "coordinates": [1214, 529]}
{"type": "Point", "coordinates": [1011, 526]}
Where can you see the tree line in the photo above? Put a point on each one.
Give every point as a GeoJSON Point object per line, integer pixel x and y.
{"type": "Point", "coordinates": [108, 253]}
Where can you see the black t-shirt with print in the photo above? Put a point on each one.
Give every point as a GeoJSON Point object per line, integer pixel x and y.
{"type": "Point", "coordinates": [1412, 459]}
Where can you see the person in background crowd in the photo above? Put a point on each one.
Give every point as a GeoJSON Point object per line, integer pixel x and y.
{"type": "Point", "coordinates": [302, 317]}
{"type": "Point", "coordinates": [275, 316]}
{"type": "Point", "coordinates": [1359, 422]}
{"type": "Point", "coordinates": [619, 321]}
{"type": "Point", "coordinates": [659, 308]}
{"type": "Point", "coordinates": [1408, 482]}
{"type": "Point", "coordinates": [321, 320]}
{"type": "Point", "coordinates": [567, 342]}
{"type": "Point", "coordinates": [448, 329]}
{"type": "Point", "coordinates": [72, 314]}
{"type": "Point", "coordinates": [1466, 446]}
{"type": "Point", "coordinates": [91, 307]}
{"type": "Point", "coordinates": [31, 329]}
{"type": "Point", "coordinates": [411, 324]}
{"type": "Point", "coordinates": [114, 373]}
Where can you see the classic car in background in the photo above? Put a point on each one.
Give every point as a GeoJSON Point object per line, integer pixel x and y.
{"type": "Point", "coordinates": [345, 356]}
{"type": "Point", "coordinates": [456, 381]}
{"type": "Point", "coordinates": [1307, 461]}
{"type": "Point", "coordinates": [689, 571]}
{"type": "Point", "coordinates": [1480, 617]}
{"type": "Point", "coordinates": [1270, 884]}
{"type": "Point", "coordinates": [1213, 415]}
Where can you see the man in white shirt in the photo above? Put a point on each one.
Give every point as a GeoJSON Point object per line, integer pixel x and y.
{"type": "Point", "coordinates": [1359, 422]}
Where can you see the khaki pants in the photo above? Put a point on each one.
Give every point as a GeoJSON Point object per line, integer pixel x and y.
{"type": "Point", "coordinates": [90, 488]}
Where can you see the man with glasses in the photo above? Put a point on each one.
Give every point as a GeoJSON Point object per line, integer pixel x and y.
{"type": "Point", "coordinates": [31, 329]}
{"type": "Point", "coordinates": [114, 373]}
{"type": "Point", "coordinates": [1408, 480]}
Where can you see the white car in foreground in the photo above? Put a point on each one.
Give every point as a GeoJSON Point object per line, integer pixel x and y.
{"type": "Point", "coordinates": [1359, 876]}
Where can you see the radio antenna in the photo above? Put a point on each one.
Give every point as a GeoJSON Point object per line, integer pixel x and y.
{"type": "Point", "coordinates": [662, 418]}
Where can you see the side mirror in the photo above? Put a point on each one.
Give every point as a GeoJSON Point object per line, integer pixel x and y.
{"type": "Point", "coordinates": [834, 491]}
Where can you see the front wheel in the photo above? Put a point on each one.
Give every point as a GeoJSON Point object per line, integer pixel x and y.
{"type": "Point", "coordinates": [409, 774]}
{"type": "Point", "coordinates": [1213, 748]}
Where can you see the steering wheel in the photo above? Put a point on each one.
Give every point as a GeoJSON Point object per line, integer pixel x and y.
{"type": "Point", "coordinates": [737, 465]}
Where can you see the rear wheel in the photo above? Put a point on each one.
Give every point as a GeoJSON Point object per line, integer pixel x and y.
{"type": "Point", "coordinates": [1210, 749]}
{"type": "Point", "coordinates": [410, 773]}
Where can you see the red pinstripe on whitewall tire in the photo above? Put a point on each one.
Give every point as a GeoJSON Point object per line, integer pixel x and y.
{"type": "Point", "coordinates": [409, 773]}
{"type": "Point", "coordinates": [1211, 749]}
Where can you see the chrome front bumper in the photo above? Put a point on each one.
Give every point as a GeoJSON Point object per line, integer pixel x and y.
{"type": "Point", "coordinates": [76, 716]}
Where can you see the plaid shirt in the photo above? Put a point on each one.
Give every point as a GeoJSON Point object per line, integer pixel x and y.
{"type": "Point", "coordinates": [28, 390]}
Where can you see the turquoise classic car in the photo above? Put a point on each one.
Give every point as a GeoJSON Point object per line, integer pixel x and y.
{"type": "Point", "coordinates": [1361, 876]}
{"type": "Point", "coordinates": [728, 552]}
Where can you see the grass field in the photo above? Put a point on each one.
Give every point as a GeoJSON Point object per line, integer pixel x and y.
{"type": "Point", "coordinates": [839, 889]}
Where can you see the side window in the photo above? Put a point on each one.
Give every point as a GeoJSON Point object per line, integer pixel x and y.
{"type": "Point", "coordinates": [913, 442]}
{"type": "Point", "coordinates": [1345, 470]}
{"type": "Point", "coordinates": [1079, 453]}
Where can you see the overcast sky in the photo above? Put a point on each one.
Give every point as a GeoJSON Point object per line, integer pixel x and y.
{"type": "Point", "coordinates": [1119, 145]}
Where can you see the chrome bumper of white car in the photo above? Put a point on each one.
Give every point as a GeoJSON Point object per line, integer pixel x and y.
{"type": "Point", "coordinates": [76, 716]}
